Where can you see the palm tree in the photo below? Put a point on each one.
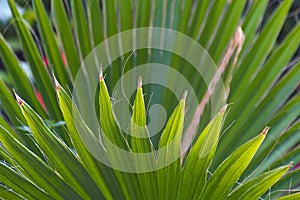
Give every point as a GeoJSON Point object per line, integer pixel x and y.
{"type": "Point", "coordinates": [51, 150]}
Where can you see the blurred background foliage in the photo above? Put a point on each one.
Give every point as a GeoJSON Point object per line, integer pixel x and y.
{"type": "Point", "coordinates": [25, 9]}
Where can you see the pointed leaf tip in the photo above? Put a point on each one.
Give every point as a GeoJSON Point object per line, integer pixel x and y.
{"type": "Point", "coordinates": [140, 82]}
{"type": "Point", "coordinates": [184, 95]}
{"type": "Point", "coordinates": [290, 165]}
{"type": "Point", "coordinates": [222, 111]}
{"type": "Point", "coordinates": [265, 131]}
{"type": "Point", "coordinates": [18, 98]}
{"type": "Point", "coordinates": [57, 85]}
{"type": "Point", "coordinates": [101, 74]}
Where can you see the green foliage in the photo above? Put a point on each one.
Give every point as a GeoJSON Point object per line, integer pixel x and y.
{"type": "Point", "coordinates": [227, 159]}
{"type": "Point", "coordinates": [78, 171]}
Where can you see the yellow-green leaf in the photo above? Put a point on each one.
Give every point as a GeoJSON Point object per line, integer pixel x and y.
{"type": "Point", "coordinates": [168, 177]}
{"type": "Point", "coordinates": [200, 158]}
{"type": "Point", "coordinates": [228, 173]}
{"type": "Point", "coordinates": [257, 186]}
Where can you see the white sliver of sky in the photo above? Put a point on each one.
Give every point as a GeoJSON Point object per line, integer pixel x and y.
{"type": "Point", "coordinates": [5, 13]}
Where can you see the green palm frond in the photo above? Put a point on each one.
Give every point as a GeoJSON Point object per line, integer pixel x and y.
{"type": "Point", "coordinates": [227, 158]}
{"type": "Point", "coordinates": [81, 176]}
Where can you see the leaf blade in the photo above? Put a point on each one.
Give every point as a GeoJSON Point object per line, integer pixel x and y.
{"type": "Point", "coordinates": [168, 177]}
{"type": "Point", "coordinates": [259, 185]}
{"type": "Point", "coordinates": [200, 158]}
{"type": "Point", "coordinates": [231, 169]}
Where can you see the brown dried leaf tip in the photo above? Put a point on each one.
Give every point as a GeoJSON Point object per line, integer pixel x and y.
{"type": "Point", "coordinates": [222, 111]}
{"type": "Point", "coordinates": [57, 85]}
{"type": "Point", "coordinates": [290, 165]}
{"type": "Point", "coordinates": [18, 98]}
{"type": "Point", "coordinates": [101, 74]}
{"type": "Point", "coordinates": [265, 131]}
{"type": "Point", "coordinates": [140, 82]}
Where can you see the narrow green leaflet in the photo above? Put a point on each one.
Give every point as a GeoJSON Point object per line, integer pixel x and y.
{"type": "Point", "coordinates": [226, 30]}
{"type": "Point", "coordinates": [275, 99]}
{"type": "Point", "coordinates": [160, 14]}
{"type": "Point", "coordinates": [97, 170]}
{"type": "Point", "coordinates": [59, 155]}
{"type": "Point", "coordinates": [36, 169]}
{"type": "Point", "coordinates": [126, 18]}
{"type": "Point", "coordinates": [228, 173]}
{"type": "Point", "coordinates": [6, 193]}
{"type": "Point", "coordinates": [20, 184]}
{"type": "Point", "coordinates": [141, 143]}
{"type": "Point", "coordinates": [271, 71]}
{"type": "Point", "coordinates": [81, 27]}
{"type": "Point", "coordinates": [21, 82]}
{"type": "Point", "coordinates": [109, 13]}
{"type": "Point", "coordinates": [262, 83]}
{"type": "Point", "coordinates": [256, 187]}
{"type": "Point", "coordinates": [54, 56]}
{"type": "Point", "coordinates": [289, 148]}
{"type": "Point", "coordinates": [168, 177]}
{"type": "Point", "coordinates": [126, 23]}
{"type": "Point", "coordinates": [143, 19]}
{"type": "Point", "coordinates": [290, 156]}
{"type": "Point", "coordinates": [173, 17]}
{"type": "Point", "coordinates": [41, 76]}
{"type": "Point", "coordinates": [15, 116]}
{"type": "Point", "coordinates": [214, 16]}
{"type": "Point", "coordinates": [259, 52]}
{"type": "Point", "coordinates": [199, 16]}
{"type": "Point", "coordinates": [6, 126]}
{"type": "Point", "coordinates": [279, 133]}
{"type": "Point", "coordinates": [110, 29]}
{"type": "Point", "coordinates": [108, 124]}
{"type": "Point", "coordinates": [252, 21]}
{"type": "Point", "coordinates": [9, 105]}
{"type": "Point", "coordinates": [143, 13]}
{"type": "Point", "coordinates": [285, 182]}
{"type": "Point", "coordinates": [95, 22]}
{"type": "Point", "coordinates": [66, 37]}
{"type": "Point", "coordinates": [110, 129]}
{"type": "Point", "coordinates": [140, 140]}
{"type": "Point", "coordinates": [295, 196]}
{"type": "Point", "coordinates": [5, 156]}
{"type": "Point", "coordinates": [185, 16]}
{"type": "Point", "coordinates": [200, 158]}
